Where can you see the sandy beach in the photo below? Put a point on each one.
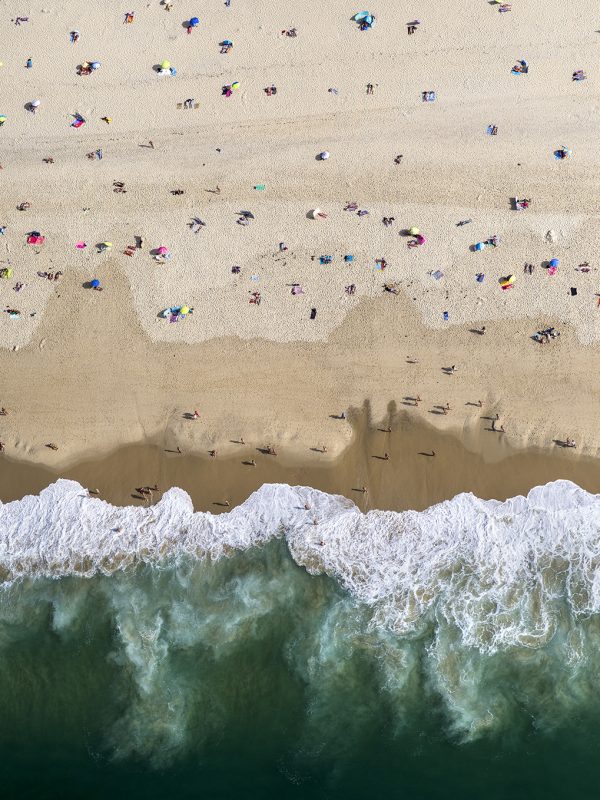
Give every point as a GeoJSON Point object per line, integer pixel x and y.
{"type": "Point", "coordinates": [95, 371]}
{"type": "Point", "coordinates": [411, 478]}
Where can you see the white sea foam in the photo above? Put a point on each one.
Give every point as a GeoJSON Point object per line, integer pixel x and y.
{"type": "Point", "coordinates": [494, 571]}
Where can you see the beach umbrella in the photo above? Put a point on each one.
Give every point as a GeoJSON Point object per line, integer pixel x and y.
{"type": "Point", "coordinates": [227, 43]}
{"type": "Point", "coordinates": [324, 155]}
{"type": "Point", "coordinates": [360, 16]}
{"type": "Point", "coordinates": [165, 64]}
{"type": "Point", "coordinates": [554, 262]}
{"type": "Point", "coordinates": [235, 85]}
{"type": "Point", "coordinates": [414, 231]}
{"type": "Point", "coordinates": [95, 65]}
{"type": "Point", "coordinates": [35, 103]}
{"type": "Point", "coordinates": [162, 251]}
{"type": "Point", "coordinates": [479, 246]}
{"type": "Point", "coordinates": [184, 310]}
{"type": "Point", "coordinates": [2, 119]}
{"type": "Point", "coordinates": [247, 214]}
{"type": "Point", "coordinates": [194, 21]}
{"type": "Point", "coordinates": [95, 283]}
{"type": "Point", "coordinates": [420, 239]}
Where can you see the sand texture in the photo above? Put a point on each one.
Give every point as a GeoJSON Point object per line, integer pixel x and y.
{"type": "Point", "coordinates": [91, 371]}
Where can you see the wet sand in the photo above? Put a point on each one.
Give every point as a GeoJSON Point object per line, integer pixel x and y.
{"type": "Point", "coordinates": [482, 462]}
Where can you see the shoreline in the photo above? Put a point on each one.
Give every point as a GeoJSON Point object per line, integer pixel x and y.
{"type": "Point", "coordinates": [412, 479]}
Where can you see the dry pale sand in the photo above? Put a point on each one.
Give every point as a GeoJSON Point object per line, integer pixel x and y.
{"type": "Point", "coordinates": [92, 371]}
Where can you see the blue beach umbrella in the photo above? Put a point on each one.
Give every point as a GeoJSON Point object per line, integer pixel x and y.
{"type": "Point", "coordinates": [361, 15]}
{"type": "Point", "coordinates": [95, 283]}
{"type": "Point", "coordinates": [554, 262]}
{"type": "Point", "coordinates": [194, 21]}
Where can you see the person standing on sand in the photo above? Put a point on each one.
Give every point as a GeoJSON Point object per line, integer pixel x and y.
{"type": "Point", "coordinates": [195, 415]}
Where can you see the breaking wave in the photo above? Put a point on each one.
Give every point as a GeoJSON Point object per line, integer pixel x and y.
{"type": "Point", "coordinates": [488, 610]}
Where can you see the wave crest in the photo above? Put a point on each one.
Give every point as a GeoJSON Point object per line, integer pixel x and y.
{"type": "Point", "coordinates": [500, 572]}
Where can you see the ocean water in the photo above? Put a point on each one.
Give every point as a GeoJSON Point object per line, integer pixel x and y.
{"type": "Point", "coordinates": [296, 647]}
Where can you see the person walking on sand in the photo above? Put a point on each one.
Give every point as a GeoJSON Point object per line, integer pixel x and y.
{"type": "Point", "coordinates": [386, 457]}
{"type": "Point", "coordinates": [1, 447]}
{"type": "Point", "coordinates": [179, 450]}
{"type": "Point", "coordinates": [196, 415]}
{"type": "Point", "coordinates": [212, 453]}
{"type": "Point", "coordinates": [3, 412]}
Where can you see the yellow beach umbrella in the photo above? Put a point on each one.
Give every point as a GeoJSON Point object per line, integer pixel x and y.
{"type": "Point", "coordinates": [184, 310]}
{"type": "Point", "coordinates": [235, 85]}
{"type": "Point", "coordinates": [165, 64]}
{"type": "Point", "coordinates": [414, 231]}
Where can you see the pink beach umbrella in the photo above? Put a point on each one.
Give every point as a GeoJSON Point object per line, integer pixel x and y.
{"type": "Point", "coordinates": [162, 251]}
